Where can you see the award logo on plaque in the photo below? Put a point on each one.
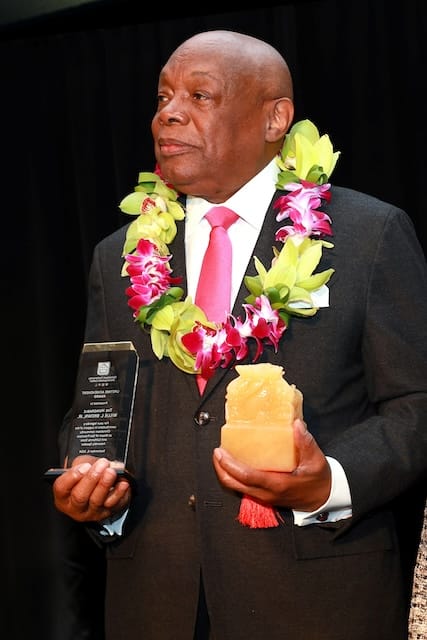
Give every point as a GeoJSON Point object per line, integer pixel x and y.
{"type": "Point", "coordinates": [103, 405]}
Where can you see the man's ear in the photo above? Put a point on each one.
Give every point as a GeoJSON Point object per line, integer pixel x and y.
{"type": "Point", "coordinates": [280, 116]}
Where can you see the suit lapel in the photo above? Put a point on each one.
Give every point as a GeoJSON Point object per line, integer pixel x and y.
{"type": "Point", "coordinates": [263, 250]}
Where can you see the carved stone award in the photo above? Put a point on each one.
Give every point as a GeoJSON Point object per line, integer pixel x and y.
{"type": "Point", "coordinates": [103, 405]}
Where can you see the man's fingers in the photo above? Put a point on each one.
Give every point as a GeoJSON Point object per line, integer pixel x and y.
{"type": "Point", "coordinates": [91, 491]}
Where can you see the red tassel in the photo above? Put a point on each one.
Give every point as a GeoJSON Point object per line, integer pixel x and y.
{"type": "Point", "coordinates": [256, 515]}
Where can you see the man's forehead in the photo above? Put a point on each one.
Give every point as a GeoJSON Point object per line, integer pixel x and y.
{"type": "Point", "coordinates": [196, 69]}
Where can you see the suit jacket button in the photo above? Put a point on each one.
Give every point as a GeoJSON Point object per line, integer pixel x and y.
{"type": "Point", "coordinates": [322, 517]}
{"type": "Point", "coordinates": [201, 418]}
{"type": "Point", "coordinates": [192, 502]}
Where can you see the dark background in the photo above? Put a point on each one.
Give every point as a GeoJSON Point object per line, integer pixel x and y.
{"type": "Point", "coordinates": [77, 94]}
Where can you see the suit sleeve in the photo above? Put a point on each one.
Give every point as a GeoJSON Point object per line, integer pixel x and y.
{"type": "Point", "coordinates": [385, 454]}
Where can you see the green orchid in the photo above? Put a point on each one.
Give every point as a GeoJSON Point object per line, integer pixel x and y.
{"type": "Point", "coordinates": [169, 325]}
{"type": "Point", "coordinates": [156, 225]}
{"type": "Point", "coordinates": [152, 184]}
{"type": "Point", "coordinates": [306, 155]}
{"type": "Point", "coordinates": [157, 208]}
{"type": "Point", "coordinates": [290, 280]}
{"type": "Point", "coordinates": [148, 313]}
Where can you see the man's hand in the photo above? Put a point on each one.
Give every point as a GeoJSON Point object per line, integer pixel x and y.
{"type": "Point", "coordinates": [305, 488]}
{"type": "Point", "coordinates": [90, 491]}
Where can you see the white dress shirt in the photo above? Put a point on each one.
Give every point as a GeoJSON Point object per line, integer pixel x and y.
{"type": "Point", "coordinates": [251, 204]}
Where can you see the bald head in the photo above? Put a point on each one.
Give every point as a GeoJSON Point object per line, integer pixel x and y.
{"type": "Point", "coordinates": [245, 57]}
{"type": "Point", "coordinates": [224, 107]}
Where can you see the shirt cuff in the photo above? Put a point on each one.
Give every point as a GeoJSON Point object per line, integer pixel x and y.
{"type": "Point", "coordinates": [338, 505]}
{"type": "Point", "coordinates": [113, 526]}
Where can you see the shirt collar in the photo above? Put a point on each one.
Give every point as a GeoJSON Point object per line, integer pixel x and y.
{"type": "Point", "coordinates": [253, 197]}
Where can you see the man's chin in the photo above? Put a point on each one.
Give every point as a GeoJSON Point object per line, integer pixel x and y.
{"type": "Point", "coordinates": [182, 181]}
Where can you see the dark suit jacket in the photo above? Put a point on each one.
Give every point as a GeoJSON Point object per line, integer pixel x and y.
{"type": "Point", "coordinates": [362, 367]}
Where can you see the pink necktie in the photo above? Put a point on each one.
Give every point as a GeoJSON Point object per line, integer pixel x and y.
{"type": "Point", "coordinates": [213, 293]}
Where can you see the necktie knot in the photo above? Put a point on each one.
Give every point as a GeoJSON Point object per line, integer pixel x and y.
{"type": "Point", "coordinates": [221, 217]}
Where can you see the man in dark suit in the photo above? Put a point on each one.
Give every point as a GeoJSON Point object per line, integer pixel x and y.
{"type": "Point", "coordinates": [180, 564]}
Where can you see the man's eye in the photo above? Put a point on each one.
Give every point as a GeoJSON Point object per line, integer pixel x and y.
{"type": "Point", "coordinates": [200, 96]}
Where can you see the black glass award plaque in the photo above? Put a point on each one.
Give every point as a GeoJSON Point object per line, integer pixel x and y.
{"type": "Point", "coordinates": [102, 410]}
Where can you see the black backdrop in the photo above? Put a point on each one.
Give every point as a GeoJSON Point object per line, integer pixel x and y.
{"type": "Point", "coordinates": [77, 96]}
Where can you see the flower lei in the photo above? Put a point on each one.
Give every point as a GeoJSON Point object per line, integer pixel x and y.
{"type": "Point", "coordinates": [179, 329]}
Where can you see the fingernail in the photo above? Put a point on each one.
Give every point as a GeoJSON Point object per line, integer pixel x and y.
{"type": "Point", "coordinates": [84, 467]}
{"type": "Point", "coordinates": [101, 464]}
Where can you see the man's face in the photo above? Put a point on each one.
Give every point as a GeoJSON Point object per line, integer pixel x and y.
{"type": "Point", "coordinates": [209, 128]}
